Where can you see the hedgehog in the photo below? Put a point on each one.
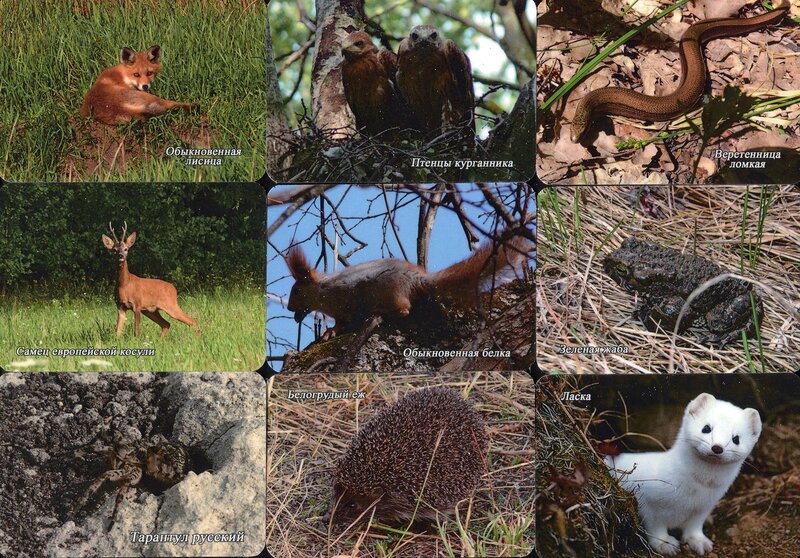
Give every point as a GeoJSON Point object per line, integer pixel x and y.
{"type": "Point", "coordinates": [431, 442]}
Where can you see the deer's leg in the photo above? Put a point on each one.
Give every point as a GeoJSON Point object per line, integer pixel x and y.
{"type": "Point", "coordinates": [120, 320]}
{"type": "Point", "coordinates": [159, 319]}
{"type": "Point", "coordinates": [175, 311]}
{"type": "Point", "coordinates": [137, 317]}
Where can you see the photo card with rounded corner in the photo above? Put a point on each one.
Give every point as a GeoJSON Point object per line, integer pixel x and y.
{"type": "Point", "coordinates": [424, 277]}
{"type": "Point", "coordinates": [120, 91]}
{"type": "Point", "coordinates": [642, 465]}
{"type": "Point", "coordinates": [386, 461]}
{"type": "Point", "coordinates": [388, 92]}
{"type": "Point", "coordinates": [669, 91]}
{"type": "Point", "coordinates": [123, 464]}
{"type": "Point", "coordinates": [667, 279]}
{"type": "Point", "coordinates": [146, 277]}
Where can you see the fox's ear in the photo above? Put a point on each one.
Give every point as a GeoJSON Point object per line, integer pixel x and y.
{"type": "Point", "coordinates": [154, 54]}
{"type": "Point", "coordinates": [127, 55]}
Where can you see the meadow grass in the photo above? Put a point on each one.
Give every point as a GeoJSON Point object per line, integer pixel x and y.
{"type": "Point", "coordinates": [213, 53]}
{"type": "Point", "coordinates": [231, 323]}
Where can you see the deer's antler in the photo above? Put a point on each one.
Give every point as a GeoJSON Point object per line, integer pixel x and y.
{"type": "Point", "coordinates": [113, 233]}
{"type": "Point", "coordinates": [124, 229]}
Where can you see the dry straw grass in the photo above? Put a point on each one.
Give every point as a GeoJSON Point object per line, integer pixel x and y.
{"type": "Point", "coordinates": [749, 230]}
{"type": "Point", "coordinates": [580, 509]}
{"type": "Point", "coordinates": [307, 439]}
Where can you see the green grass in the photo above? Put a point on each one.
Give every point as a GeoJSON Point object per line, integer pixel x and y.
{"type": "Point", "coordinates": [749, 254]}
{"type": "Point", "coordinates": [231, 322]}
{"type": "Point", "coordinates": [53, 50]}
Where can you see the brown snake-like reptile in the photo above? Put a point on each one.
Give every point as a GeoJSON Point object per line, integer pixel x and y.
{"type": "Point", "coordinates": [624, 102]}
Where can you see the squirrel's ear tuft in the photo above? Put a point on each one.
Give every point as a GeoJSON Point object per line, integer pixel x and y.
{"type": "Point", "coordinates": [298, 264]}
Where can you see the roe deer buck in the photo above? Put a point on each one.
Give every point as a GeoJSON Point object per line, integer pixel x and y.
{"type": "Point", "coordinates": [143, 296]}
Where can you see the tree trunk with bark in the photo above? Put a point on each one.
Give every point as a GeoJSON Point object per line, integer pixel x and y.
{"type": "Point", "coordinates": [335, 20]}
{"type": "Point", "coordinates": [514, 138]}
{"type": "Point", "coordinates": [277, 125]}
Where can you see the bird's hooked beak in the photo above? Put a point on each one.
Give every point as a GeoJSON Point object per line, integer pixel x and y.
{"type": "Point", "coordinates": [349, 47]}
{"type": "Point", "coordinates": [425, 41]}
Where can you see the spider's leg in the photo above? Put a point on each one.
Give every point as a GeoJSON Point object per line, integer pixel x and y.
{"type": "Point", "coordinates": [112, 476]}
{"type": "Point", "coordinates": [125, 476]}
{"type": "Point", "coordinates": [131, 476]}
{"type": "Point", "coordinates": [123, 490]}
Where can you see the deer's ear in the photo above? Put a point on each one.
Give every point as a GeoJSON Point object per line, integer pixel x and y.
{"type": "Point", "coordinates": [108, 243]}
{"type": "Point", "coordinates": [131, 239]}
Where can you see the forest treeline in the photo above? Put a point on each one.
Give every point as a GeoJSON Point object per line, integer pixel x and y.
{"type": "Point", "coordinates": [194, 235]}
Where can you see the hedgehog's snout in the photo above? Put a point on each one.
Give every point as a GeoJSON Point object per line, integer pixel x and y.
{"type": "Point", "coordinates": [346, 506]}
{"type": "Point", "coordinates": [389, 467]}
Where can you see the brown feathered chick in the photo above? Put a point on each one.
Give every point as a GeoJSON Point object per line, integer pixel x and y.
{"type": "Point", "coordinates": [435, 78]}
{"type": "Point", "coordinates": [368, 76]}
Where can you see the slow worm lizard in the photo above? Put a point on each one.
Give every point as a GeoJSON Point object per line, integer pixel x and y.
{"type": "Point", "coordinates": [625, 102]}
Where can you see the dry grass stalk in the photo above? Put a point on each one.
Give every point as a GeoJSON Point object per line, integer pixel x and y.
{"type": "Point", "coordinates": [579, 305]}
{"type": "Point", "coordinates": [306, 439]}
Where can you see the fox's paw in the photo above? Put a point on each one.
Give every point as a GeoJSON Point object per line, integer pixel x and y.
{"type": "Point", "coordinates": [699, 543]}
{"type": "Point", "coordinates": [667, 545]}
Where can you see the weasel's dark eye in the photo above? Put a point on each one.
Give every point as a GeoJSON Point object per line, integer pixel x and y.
{"type": "Point", "coordinates": [434, 36]}
{"type": "Point", "coordinates": [136, 74]}
{"type": "Point", "coordinates": [706, 429]}
{"type": "Point", "coordinates": [414, 36]}
{"type": "Point", "coordinates": [736, 440]}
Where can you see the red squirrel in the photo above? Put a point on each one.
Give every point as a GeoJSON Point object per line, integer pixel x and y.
{"type": "Point", "coordinates": [390, 287]}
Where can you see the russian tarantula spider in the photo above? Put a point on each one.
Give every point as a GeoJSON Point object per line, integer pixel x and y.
{"type": "Point", "coordinates": [158, 459]}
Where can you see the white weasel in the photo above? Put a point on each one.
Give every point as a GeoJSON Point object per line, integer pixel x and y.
{"type": "Point", "coordinates": [678, 488]}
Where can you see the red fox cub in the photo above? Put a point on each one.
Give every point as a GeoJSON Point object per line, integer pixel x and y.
{"type": "Point", "coordinates": [120, 93]}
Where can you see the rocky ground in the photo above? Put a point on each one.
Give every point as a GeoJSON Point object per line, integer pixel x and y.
{"type": "Point", "coordinates": [51, 426]}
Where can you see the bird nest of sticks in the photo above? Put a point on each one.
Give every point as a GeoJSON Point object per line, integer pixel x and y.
{"type": "Point", "coordinates": [456, 154]}
{"type": "Point", "coordinates": [580, 509]}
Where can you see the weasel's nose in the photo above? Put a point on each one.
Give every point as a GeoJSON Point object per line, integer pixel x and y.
{"type": "Point", "coordinates": [716, 449]}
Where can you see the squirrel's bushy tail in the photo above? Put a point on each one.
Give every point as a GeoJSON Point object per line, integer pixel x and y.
{"type": "Point", "coordinates": [490, 265]}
